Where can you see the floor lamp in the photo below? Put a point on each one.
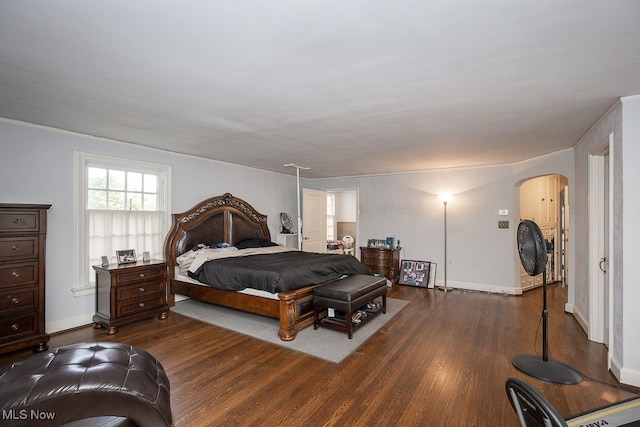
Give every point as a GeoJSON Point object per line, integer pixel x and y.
{"type": "Point", "coordinates": [298, 194]}
{"type": "Point", "coordinates": [445, 200]}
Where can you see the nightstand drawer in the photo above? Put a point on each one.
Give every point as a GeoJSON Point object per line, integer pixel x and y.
{"type": "Point", "coordinates": [19, 221]}
{"type": "Point", "coordinates": [147, 274]}
{"type": "Point", "coordinates": [24, 273]}
{"type": "Point", "coordinates": [139, 306]}
{"type": "Point", "coordinates": [18, 248]}
{"type": "Point", "coordinates": [22, 299]}
{"type": "Point", "coordinates": [139, 290]}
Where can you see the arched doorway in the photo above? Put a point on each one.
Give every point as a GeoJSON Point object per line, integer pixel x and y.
{"type": "Point", "coordinates": [544, 200]}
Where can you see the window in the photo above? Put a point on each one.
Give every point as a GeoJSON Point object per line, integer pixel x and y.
{"type": "Point", "coordinates": [331, 216]}
{"type": "Point", "coordinates": [121, 204]}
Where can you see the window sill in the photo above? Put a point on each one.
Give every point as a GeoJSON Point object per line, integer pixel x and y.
{"type": "Point", "coordinates": [83, 292]}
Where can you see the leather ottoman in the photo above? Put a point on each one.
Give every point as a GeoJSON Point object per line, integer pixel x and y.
{"type": "Point", "coordinates": [85, 380]}
{"type": "Point", "coordinates": [347, 294]}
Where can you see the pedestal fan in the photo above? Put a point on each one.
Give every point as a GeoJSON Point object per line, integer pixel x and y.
{"type": "Point", "coordinates": [533, 256]}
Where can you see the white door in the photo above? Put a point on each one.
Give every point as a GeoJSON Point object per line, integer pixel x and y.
{"type": "Point", "coordinates": [314, 220]}
{"type": "Point", "coordinates": [604, 261]}
{"type": "Point", "coordinates": [601, 263]}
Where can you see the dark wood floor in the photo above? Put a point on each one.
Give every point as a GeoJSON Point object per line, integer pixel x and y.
{"type": "Point", "coordinates": [442, 361]}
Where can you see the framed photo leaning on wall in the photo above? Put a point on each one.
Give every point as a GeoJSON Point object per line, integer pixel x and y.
{"type": "Point", "coordinates": [414, 273]}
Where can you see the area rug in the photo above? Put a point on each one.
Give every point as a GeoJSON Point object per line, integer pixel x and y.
{"type": "Point", "coordinates": [323, 343]}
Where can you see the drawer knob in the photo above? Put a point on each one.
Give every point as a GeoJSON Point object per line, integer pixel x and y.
{"type": "Point", "coordinates": [16, 220]}
{"type": "Point", "coordinates": [15, 273]}
{"type": "Point", "coordinates": [15, 300]}
{"type": "Point", "coordinates": [141, 304]}
{"type": "Point", "coordinates": [141, 274]}
{"type": "Point", "coordinates": [15, 247]}
{"type": "Point", "coordinates": [141, 289]}
{"type": "Point", "coordinates": [15, 327]}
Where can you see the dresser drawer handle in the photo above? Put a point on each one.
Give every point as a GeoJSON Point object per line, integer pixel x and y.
{"type": "Point", "coordinates": [15, 300]}
{"type": "Point", "coordinates": [15, 247]}
{"type": "Point", "coordinates": [15, 274]}
{"type": "Point", "coordinates": [141, 274]}
{"type": "Point", "coordinates": [141, 289]}
{"type": "Point", "coordinates": [16, 220]}
{"type": "Point", "coordinates": [141, 304]}
{"type": "Point", "coordinates": [15, 327]}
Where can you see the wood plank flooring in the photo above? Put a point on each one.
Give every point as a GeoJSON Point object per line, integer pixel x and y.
{"type": "Point", "coordinates": [442, 361]}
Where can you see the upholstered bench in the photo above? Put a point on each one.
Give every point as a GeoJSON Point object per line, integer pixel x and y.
{"type": "Point", "coordinates": [347, 295]}
{"type": "Point", "coordinates": [86, 380]}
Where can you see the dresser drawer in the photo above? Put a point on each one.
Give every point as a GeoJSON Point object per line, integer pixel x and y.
{"type": "Point", "coordinates": [17, 221]}
{"type": "Point", "coordinates": [139, 305]}
{"type": "Point", "coordinates": [15, 327]}
{"type": "Point", "coordinates": [376, 255]}
{"type": "Point", "coordinates": [139, 290]}
{"type": "Point", "coordinates": [17, 274]}
{"type": "Point", "coordinates": [382, 262]}
{"type": "Point", "coordinates": [18, 299]}
{"type": "Point", "coordinates": [12, 248]}
{"type": "Point", "coordinates": [147, 274]}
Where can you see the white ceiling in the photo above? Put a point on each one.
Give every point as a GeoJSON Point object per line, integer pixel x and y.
{"type": "Point", "coordinates": [345, 87]}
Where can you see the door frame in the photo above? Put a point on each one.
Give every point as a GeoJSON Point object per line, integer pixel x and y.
{"type": "Point", "coordinates": [599, 241]}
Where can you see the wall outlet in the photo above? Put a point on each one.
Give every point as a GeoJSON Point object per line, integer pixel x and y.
{"type": "Point", "coordinates": [503, 224]}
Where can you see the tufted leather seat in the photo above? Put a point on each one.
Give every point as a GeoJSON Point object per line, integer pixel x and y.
{"type": "Point", "coordinates": [86, 380]}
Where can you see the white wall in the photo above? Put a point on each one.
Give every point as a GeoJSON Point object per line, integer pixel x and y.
{"type": "Point", "coordinates": [622, 122]}
{"type": "Point", "coordinates": [36, 166]}
{"type": "Point", "coordinates": [630, 297]}
{"type": "Point", "coordinates": [406, 205]}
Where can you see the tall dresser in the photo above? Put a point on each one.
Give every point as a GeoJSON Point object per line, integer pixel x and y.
{"type": "Point", "coordinates": [23, 230]}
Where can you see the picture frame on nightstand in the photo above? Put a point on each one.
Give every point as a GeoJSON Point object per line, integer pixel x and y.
{"type": "Point", "coordinates": [414, 273]}
{"type": "Point", "coordinates": [127, 256]}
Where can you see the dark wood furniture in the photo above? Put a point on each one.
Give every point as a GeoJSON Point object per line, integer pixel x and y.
{"type": "Point", "coordinates": [230, 219]}
{"type": "Point", "coordinates": [382, 260]}
{"type": "Point", "coordinates": [23, 229]}
{"type": "Point", "coordinates": [349, 295]}
{"type": "Point", "coordinates": [130, 292]}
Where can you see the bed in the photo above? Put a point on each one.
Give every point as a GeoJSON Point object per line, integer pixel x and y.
{"type": "Point", "coordinates": [228, 219]}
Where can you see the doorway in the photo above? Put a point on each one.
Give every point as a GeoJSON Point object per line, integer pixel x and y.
{"type": "Point", "coordinates": [543, 200]}
{"type": "Point", "coordinates": [600, 257]}
{"type": "Point", "coordinates": [342, 220]}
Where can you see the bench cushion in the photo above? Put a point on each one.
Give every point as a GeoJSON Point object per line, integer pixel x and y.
{"type": "Point", "coordinates": [350, 288]}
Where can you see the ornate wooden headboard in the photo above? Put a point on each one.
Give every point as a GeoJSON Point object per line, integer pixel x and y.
{"type": "Point", "coordinates": [216, 220]}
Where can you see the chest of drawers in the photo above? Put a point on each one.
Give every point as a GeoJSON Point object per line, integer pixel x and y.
{"type": "Point", "coordinates": [382, 261]}
{"type": "Point", "coordinates": [23, 230]}
{"type": "Point", "coordinates": [130, 292]}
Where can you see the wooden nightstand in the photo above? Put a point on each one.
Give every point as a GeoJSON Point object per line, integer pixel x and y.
{"type": "Point", "coordinates": [130, 292]}
{"type": "Point", "coordinates": [382, 261]}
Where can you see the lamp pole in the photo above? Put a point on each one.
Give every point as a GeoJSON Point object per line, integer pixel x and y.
{"type": "Point", "coordinates": [298, 198]}
{"type": "Point", "coordinates": [445, 288]}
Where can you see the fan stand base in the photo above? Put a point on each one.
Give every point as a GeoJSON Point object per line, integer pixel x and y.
{"type": "Point", "coordinates": [445, 289]}
{"type": "Point", "coordinates": [551, 370]}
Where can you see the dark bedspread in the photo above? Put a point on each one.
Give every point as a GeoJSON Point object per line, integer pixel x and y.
{"type": "Point", "coordinates": [277, 272]}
